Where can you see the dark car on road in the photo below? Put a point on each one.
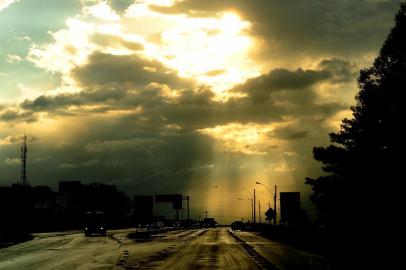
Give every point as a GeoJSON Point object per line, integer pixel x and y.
{"type": "Point", "coordinates": [237, 225]}
{"type": "Point", "coordinates": [94, 223]}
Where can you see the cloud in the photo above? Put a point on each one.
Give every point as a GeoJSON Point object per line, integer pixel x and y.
{"type": "Point", "coordinates": [113, 41]}
{"type": "Point", "coordinates": [123, 145]}
{"type": "Point", "coordinates": [12, 161]}
{"type": "Point", "coordinates": [117, 83]}
{"type": "Point", "coordinates": [87, 163]}
{"type": "Point", "coordinates": [13, 58]}
{"type": "Point", "coordinates": [305, 27]}
{"type": "Point", "coordinates": [60, 103]}
{"type": "Point", "coordinates": [218, 91]}
{"type": "Point", "coordinates": [281, 167]}
{"type": "Point", "coordinates": [121, 5]}
{"type": "Point", "coordinates": [5, 3]}
{"type": "Point", "coordinates": [260, 88]}
{"type": "Point", "coordinates": [290, 133]}
{"type": "Point", "coordinates": [343, 71]}
{"type": "Point", "coordinates": [13, 115]}
{"type": "Point", "coordinates": [10, 139]}
{"type": "Point", "coordinates": [16, 139]}
{"type": "Point", "coordinates": [67, 166]}
{"type": "Point", "coordinates": [190, 47]}
{"type": "Point", "coordinates": [106, 68]}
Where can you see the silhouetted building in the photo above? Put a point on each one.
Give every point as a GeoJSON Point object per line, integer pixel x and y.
{"type": "Point", "coordinates": [290, 207]}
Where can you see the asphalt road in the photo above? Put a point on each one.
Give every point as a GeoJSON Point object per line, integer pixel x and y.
{"type": "Point", "coordinates": [215, 248]}
{"type": "Point", "coordinates": [284, 257]}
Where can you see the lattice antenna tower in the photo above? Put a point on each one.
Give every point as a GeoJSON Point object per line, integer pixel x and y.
{"type": "Point", "coordinates": [23, 158]}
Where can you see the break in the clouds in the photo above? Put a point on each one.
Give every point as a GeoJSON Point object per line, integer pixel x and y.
{"type": "Point", "coordinates": [306, 27]}
{"type": "Point", "coordinates": [5, 3]}
{"type": "Point", "coordinates": [181, 96]}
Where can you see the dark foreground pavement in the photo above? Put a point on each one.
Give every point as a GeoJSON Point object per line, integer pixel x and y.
{"type": "Point", "coordinates": [216, 248]}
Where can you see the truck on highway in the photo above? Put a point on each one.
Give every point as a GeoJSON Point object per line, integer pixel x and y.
{"type": "Point", "coordinates": [94, 223]}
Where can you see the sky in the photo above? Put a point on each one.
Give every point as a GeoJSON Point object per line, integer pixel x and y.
{"type": "Point", "coordinates": [199, 97]}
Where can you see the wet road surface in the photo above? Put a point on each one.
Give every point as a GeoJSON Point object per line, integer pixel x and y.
{"type": "Point", "coordinates": [284, 257]}
{"type": "Point", "coordinates": [215, 248]}
{"type": "Point", "coordinates": [211, 249]}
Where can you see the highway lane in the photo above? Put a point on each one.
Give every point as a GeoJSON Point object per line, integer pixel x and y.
{"type": "Point", "coordinates": [209, 249]}
{"type": "Point", "coordinates": [72, 250]}
{"type": "Point", "coordinates": [62, 251]}
{"type": "Point", "coordinates": [215, 248]}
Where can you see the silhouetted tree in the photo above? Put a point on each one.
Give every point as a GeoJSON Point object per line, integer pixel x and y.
{"type": "Point", "coordinates": [364, 163]}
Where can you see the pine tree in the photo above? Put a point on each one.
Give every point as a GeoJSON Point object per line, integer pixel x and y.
{"type": "Point", "coordinates": [364, 164]}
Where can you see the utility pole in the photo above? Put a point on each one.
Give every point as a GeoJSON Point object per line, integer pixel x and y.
{"type": "Point", "coordinates": [259, 212]}
{"type": "Point", "coordinates": [252, 209]}
{"type": "Point", "coordinates": [254, 205]}
{"type": "Point", "coordinates": [274, 205]}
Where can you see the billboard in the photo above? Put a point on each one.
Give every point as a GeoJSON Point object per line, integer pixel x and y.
{"type": "Point", "coordinates": [290, 206]}
{"type": "Point", "coordinates": [143, 207]}
{"type": "Point", "coordinates": [175, 199]}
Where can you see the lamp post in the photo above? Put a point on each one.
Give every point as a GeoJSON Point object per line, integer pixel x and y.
{"type": "Point", "coordinates": [274, 198]}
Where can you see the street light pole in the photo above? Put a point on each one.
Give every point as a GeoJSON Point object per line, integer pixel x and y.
{"type": "Point", "coordinates": [254, 206]}
{"type": "Point", "coordinates": [274, 205]}
{"type": "Point", "coordinates": [259, 212]}
{"type": "Point", "coordinates": [252, 210]}
{"type": "Point", "coordinates": [274, 199]}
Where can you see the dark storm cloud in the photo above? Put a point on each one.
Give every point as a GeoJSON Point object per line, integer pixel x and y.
{"type": "Point", "coordinates": [102, 95]}
{"type": "Point", "coordinates": [343, 27]}
{"type": "Point", "coordinates": [260, 88]}
{"type": "Point", "coordinates": [342, 70]}
{"type": "Point", "coordinates": [106, 68]}
{"type": "Point", "coordinates": [290, 133]}
{"type": "Point", "coordinates": [157, 148]}
{"type": "Point", "coordinates": [11, 115]}
{"type": "Point", "coordinates": [141, 152]}
{"type": "Point", "coordinates": [120, 145]}
{"type": "Point", "coordinates": [121, 5]}
{"type": "Point", "coordinates": [269, 97]}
